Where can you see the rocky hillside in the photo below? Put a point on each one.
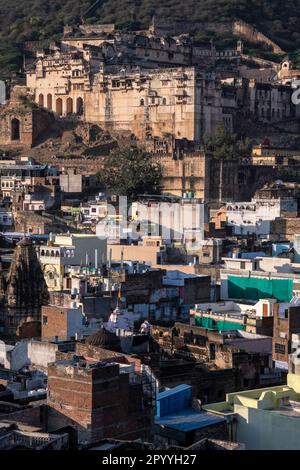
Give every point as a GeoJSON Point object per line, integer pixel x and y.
{"type": "Point", "coordinates": [44, 19]}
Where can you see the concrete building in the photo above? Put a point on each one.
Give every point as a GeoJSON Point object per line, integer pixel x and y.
{"type": "Point", "coordinates": [67, 323]}
{"type": "Point", "coordinates": [179, 422]}
{"type": "Point", "coordinates": [15, 439]}
{"type": "Point", "coordinates": [66, 250]}
{"type": "Point", "coordinates": [286, 333]}
{"type": "Point", "coordinates": [151, 251]}
{"type": "Point", "coordinates": [29, 353]}
{"type": "Point", "coordinates": [270, 156]}
{"type": "Point", "coordinates": [29, 182]}
{"type": "Point", "coordinates": [270, 102]}
{"type": "Point", "coordinates": [287, 73]}
{"type": "Point", "coordinates": [6, 219]}
{"type": "Point", "coordinates": [181, 220]}
{"type": "Point", "coordinates": [264, 419]}
{"type": "Point", "coordinates": [231, 316]}
{"type": "Point", "coordinates": [254, 279]}
{"type": "Point", "coordinates": [278, 200]}
{"type": "Point", "coordinates": [213, 362]}
{"type": "Point", "coordinates": [70, 181]}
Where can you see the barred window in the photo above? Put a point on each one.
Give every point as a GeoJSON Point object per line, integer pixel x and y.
{"type": "Point", "coordinates": [279, 348]}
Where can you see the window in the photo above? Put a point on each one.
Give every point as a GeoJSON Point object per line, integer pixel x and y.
{"type": "Point", "coordinates": [279, 348]}
{"type": "Point", "coordinates": [243, 265]}
{"type": "Point", "coordinates": [286, 313]}
{"type": "Point", "coordinates": [76, 73]}
{"type": "Point", "coordinates": [45, 320]}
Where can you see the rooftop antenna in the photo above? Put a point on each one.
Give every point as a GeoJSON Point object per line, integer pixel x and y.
{"type": "Point", "coordinates": [110, 256]}
{"type": "Point", "coordinates": [122, 259]}
{"type": "Point", "coordinates": [96, 259]}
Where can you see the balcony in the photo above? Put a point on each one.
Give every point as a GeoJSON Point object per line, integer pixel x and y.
{"type": "Point", "coordinates": [55, 254]}
{"type": "Point", "coordinates": [61, 90]}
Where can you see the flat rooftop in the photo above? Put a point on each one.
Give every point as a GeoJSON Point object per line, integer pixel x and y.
{"type": "Point", "coordinates": [189, 420]}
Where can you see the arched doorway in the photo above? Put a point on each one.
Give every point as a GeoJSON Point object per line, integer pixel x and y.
{"type": "Point", "coordinates": [79, 106]}
{"type": "Point", "coordinates": [49, 101]}
{"type": "Point", "coordinates": [69, 106]}
{"type": "Point", "coordinates": [59, 106]}
{"type": "Point", "coordinates": [41, 100]}
{"type": "Point", "coordinates": [15, 129]}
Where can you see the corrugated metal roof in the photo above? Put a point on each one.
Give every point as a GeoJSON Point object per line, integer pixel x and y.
{"type": "Point", "coordinates": [173, 391]}
{"type": "Point", "coordinates": [189, 420]}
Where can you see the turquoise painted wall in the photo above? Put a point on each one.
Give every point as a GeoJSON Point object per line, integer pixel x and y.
{"type": "Point", "coordinates": [252, 288]}
{"type": "Point", "coordinates": [219, 325]}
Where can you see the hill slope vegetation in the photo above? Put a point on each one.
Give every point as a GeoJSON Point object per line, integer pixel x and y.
{"type": "Point", "coordinates": [44, 19]}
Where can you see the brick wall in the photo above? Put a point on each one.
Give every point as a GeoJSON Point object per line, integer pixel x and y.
{"type": "Point", "coordinates": [30, 329]}
{"type": "Point", "coordinates": [284, 327]}
{"type": "Point", "coordinates": [101, 354]}
{"type": "Point", "coordinates": [54, 323]}
{"type": "Point", "coordinates": [30, 416]}
{"type": "Point", "coordinates": [99, 402]}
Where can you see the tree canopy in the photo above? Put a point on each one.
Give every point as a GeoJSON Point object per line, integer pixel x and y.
{"type": "Point", "coordinates": [130, 172]}
{"type": "Point", "coordinates": [227, 146]}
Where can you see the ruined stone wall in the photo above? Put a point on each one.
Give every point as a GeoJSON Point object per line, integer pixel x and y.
{"type": "Point", "coordinates": [245, 30]}
{"type": "Point", "coordinates": [169, 26]}
{"type": "Point", "coordinates": [190, 173]}
{"type": "Point", "coordinates": [285, 228]}
{"type": "Point", "coordinates": [234, 181]}
{"type": "Point", "coordinates": [21, 125]}
{"type": "Point", "coordinates": [23, 122]}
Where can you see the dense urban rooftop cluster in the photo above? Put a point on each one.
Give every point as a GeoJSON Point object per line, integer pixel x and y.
{"type": "Point", "coordinates": [150, 244]}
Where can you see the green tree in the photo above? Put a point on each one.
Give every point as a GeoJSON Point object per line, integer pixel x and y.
{"type": "Point", "coordinates": [227, 146]}
{"type": "Point", "coordinates": [130, 172]}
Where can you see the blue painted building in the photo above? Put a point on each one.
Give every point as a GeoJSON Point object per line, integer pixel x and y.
{"type": "Point", "coordinates": [178, 423]}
